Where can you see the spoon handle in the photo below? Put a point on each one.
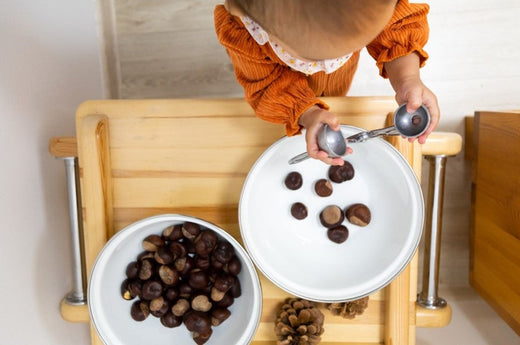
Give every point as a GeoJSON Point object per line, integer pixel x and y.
{"type": "Point", "coordinates": [299, 158]}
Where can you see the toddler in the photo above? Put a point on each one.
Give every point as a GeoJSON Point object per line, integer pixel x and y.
{"type": "Point", "coordinates": [287, 53]}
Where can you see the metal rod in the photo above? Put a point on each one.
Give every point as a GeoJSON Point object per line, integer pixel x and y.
{"type": "Point", "coordinates": [76, 296]}
{"type": "Point", "coordinates": [429, 298]}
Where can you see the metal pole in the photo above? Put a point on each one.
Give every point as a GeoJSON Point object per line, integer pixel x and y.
{"type": "Point", "coordinates": [428, 298]}
{"type": "Point", "coordinates": [77, 295]}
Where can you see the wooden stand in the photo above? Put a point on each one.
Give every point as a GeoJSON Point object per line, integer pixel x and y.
{"type": "Point", "coordinates": [140, 158]}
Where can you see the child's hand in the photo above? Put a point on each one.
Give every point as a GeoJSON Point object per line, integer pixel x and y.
{"type": "Point", "coordinates": [312, 120]}
{"type": "Point", "coordinates": [415, 93]}
{"type": "Point", "coordinates": [404, 76]}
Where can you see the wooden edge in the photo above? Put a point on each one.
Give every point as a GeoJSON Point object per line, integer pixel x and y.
{"type": "Point", "coordinates": [96, 184]}
{"type": "Point", "coordinates": [397, 310]}
{"type": "Point", "coordinates": [74, 313]}
{"type": "Point", "coordinates": [469, 144]}
{"type": "Point", "coordinates": [226, 107]}
{"type": "Point", "coordinates": [432, 318]}
{"type": "Point", "coordinates": [62, 147]}
{"type": "Point", "coordinates": [399, 328]}
{"type": "Point", "coordinates": [442, 143]}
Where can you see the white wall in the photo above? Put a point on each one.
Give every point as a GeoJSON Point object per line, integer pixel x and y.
{"type": "Point", "coordinates": [49, 64]}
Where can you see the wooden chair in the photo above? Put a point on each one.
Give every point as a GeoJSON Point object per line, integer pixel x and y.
{"type": "Point", "coordinates": [140, 158]}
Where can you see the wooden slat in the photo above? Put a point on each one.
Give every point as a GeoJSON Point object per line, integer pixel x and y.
{"type": "Point", "coordinates": [94, 157]}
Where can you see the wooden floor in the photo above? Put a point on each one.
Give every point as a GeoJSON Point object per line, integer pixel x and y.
{"type": "Point", "coordinates": [168, 49]}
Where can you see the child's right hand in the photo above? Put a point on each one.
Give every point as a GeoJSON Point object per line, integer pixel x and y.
{"type": "Point", "coordinates": [312, 120]}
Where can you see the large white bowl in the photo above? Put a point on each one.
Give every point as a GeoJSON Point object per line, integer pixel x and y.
{"type": "Point", "coordinates": [297, 256]}
{"type": "Point", "coordinates": [110, 313]}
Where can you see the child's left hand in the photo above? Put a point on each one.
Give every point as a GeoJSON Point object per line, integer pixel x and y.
{"type": "Point", "coordinates": [404, 76]}
{"type": "Point", "coordinates": [415, 93]}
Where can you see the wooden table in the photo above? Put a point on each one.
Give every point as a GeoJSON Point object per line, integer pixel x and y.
{"type": "Point", "coordinates": [140, 158]}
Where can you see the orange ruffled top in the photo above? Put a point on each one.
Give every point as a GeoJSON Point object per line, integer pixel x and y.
{"type": "Point", "coordinates": [279, 94]}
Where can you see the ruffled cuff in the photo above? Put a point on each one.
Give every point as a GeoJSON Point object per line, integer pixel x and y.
{"type": "Point", "coordinates": [406, 33]}
{"type": "Point", "coordinates": [397, 52]}
{"type": "Point", "coordinates": [292, 127]}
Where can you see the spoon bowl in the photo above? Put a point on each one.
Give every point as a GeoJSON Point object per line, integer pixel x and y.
{"type": "Point", "coordinates": [332, 142]}
{"type": "Point", "coordinates": [413, 124]}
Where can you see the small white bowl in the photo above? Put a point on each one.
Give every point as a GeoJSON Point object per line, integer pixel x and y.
{"type": "Point", "coordinates": [110, 313]}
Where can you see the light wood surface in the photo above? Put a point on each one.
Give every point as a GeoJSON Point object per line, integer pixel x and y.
{"type": "Point", "coordinates": [63, 147]}
{"type": "Point", "coordinates": [442, 143]}
{"type": "Point", "coordinates": [495, 237]}
{"type": "Point", "coordinates": [134, 153]}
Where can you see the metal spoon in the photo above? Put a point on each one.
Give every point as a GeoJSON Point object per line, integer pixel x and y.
{"type": "Point", "coordinates": [407, 124]}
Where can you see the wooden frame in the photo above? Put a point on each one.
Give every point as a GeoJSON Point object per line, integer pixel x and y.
{"type": "Point", "coordinates": [124, 145]}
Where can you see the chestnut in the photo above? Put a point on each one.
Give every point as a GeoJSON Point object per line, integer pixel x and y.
{"type": "Point", "coordinates": [222, 284]}
{"type": "Point", "coordinates": [201, 303]}
{"type": "Point", "coordinates": [168, 275]}
{"type": "Point", "coordinates": [164, 255]}
{"type": "Point", "coordinates": [178, 249]}
{"type": "Point", "coordinates": [172, 294]}
{"type": "Point", "coordinates": [205, 242]}
{"type": "Point", "coordinates": [331, 216]}
{"type": "Point", "coordinates": [293, 180]}
{"type": "Point", "coordinates": [185, 290]}
{"type": "Point", "coordinates": [184, 264]}
{"type": "Point", "coordinates": [139, 310]}
{"type": "Point", "coordinates": [202, 262]}
{"type": "Point", "coordinates": [224, 251]}
{"type": "Point", "coordinates": [180, 307]}
{"type": "Point", "coordinates": [169, 320]}
{"type": "Point", "coordinates": [173, 232]}
{"type": "Point", "coordinates": [135, 287]}
{"type": "Point", "coordinates": [217, 265]}
{"type": "Point", "coordinates": [338, 234]}
{"type": "Point", "coordinates": [200, 339]}
{"type": "Point", "coordinates": [145, 255]}
{"type": "Point", "coordinates": [146, 270]}
{"type": "Point", "coordinates": [225, 302]}
{"type": "Point", "coordinates": [158, 304]}
{"type": "Point", "coordinates": [151, 289]}
{"type": "Point", "coordinates": [132, 269]}
{"type": "Point", "coordinates": [197, 322]}
{"type": "Point", "coordinates": [198, 279]}
{"type": "Point", "coordinates": [190, 230]}
{"type": "Point", "coordinates": [323, 187]}
{"type": "Point", "coordinates": [341, 173]}
{"type": "Point", "coordinates": [236, 289]}
{"type": "Point", "coordinates": [234, 266]}
{"type": "Point", "coordinates": [125, 292]}
{"type": "Point", "coordinates": [358, 214]}
{"type": "Point", "coordinates": [152, 242]}
{"type": "Point", "coordinates": [163, 310]}
{"type": "Point", "coordinates": [219, 315]}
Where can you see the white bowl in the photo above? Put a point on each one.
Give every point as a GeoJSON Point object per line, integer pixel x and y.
{"type": "Point", "coordinates": [297, 255]}
{"type": "Point", "coordinates": [110, 313]}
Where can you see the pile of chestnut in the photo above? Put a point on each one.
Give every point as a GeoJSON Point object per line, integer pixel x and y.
{"type": "Point", "coordinates": [185, 275]}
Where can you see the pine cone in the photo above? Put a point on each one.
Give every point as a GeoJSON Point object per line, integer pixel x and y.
{"type": "Point", "coordinates": [299, 322]}
{"type": "Point", "coordinates": [349, 310]}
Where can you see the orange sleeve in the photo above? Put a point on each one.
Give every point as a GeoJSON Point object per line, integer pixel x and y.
{"type": "Point", "coordinates": [406, 32]}
{"type": "Point", "coordinates": [275, 92]}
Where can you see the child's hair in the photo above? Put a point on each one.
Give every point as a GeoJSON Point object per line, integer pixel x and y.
{"type": "Point", "coordinates": [298, 21]}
